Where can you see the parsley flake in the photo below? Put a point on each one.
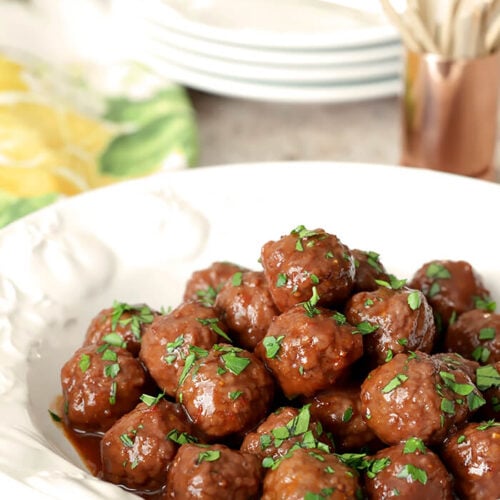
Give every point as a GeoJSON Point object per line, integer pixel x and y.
{"type": "Point", "coordinates": [84, 362]}
{"type": "Point", "coordinates": [413, 473]}
{"type": "Point", "coordinates": [395, 382]}
{"type": "Point", "coordinates": [208, 456]}
{"type": "Point", "coordinates": [272, 345]}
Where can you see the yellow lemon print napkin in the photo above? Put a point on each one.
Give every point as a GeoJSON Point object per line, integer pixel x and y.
{"type": "Point", "coordinates": [65, 132]}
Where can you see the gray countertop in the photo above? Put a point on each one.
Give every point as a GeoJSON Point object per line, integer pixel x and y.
{"type": "Point", "coordinates": [238, 130]}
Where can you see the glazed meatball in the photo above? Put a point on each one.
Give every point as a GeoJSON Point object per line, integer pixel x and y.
{"type": "Point", "coordinates": [408, 470]}
{"type": "Point", "coordinates": [284, 428]}
{"type": "Point", "coordinates": [246, 306]}
{"type": "Point", "coordinates": [204, 285]}
{"type": "Point", "coordinates": [488, 381]}
{"type": "Point", "coordinates": [137, 450]}
{"type": "Point", "coordinates": [451, 287]}
{"type": "Point", "coordinates": [475, 335]}
{"type": "Point", "coordinates": [100, 383]}
{"type": "Point", "coordinates": [308, 348]}
{"type": "Point", "coordinates": [166, 343]}
{"type": "Point", "coordinates": [121, 325]}
{"type": "Point", "coordinates": [417, 395]}
{"type": "Point", "coordinates": [304, 259]}
{"type": "Point", "coordinates": [310, 473]}
{"type": "Point", "coordinates": [225, 391]}
{"type": "Point", "coordinates": [339, 411]}
{"type": "Point", "coordinates": [213, 472]}
{"type": "Point", "coordinates": [472, 455]}
{"type": "Point", "coordinates": [369, 269]}
{"type": "Point", "coordinates": [395, 319]}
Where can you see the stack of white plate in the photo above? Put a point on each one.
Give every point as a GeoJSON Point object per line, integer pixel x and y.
{"type": "Point", "coordinates": [276, 50]}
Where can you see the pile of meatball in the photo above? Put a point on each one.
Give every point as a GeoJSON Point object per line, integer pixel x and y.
{"type": "Point", "coordinates": [320, 375]}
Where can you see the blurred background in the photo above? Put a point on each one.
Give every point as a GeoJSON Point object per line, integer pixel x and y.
{"type": "Point", "coordinates": [97, 91]}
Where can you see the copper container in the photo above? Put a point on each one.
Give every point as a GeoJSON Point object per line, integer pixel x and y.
{"type": "Point", "coordinates": [449, 114]}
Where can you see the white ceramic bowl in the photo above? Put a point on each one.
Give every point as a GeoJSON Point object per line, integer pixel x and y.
{"type": "Point", "coordinates": [139, 241]}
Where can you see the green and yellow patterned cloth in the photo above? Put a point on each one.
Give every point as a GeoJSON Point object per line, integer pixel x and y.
{"type": "Point", "coordinates": [65, 132]}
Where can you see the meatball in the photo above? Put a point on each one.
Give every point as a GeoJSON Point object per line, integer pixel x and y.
{"type": "Point", "coordinates": [137, 450]}
{"type": "Point", "coordinates": [304, 259]}
{"type": "Point", "coordinates": [213, 472]}
{"type": "Point", "coordinates": [309, 348]}
{"type": "Point", "coordinates": [396, 319]}
{"type": "Point", "coordinates": [166, 343]}
{"type": "Point", "coordinates": [121, 325]}
{"type": "Point", "coordinates": [369, 269]}
{"type": "Point", "coordinates": [451, 287]}
{"type": "Point", "coordinates": [100, 383]}
{"type": "Point", "coordinates": [284, 428]}
{"type": "Point", "coordinates": [472, 455]}
{"type": "Point", "coordinates": [204, 285]}
{"type": "Point", "coordinates": [475, 335]}
{"type": "Point", "coordinates": [225, 391]}
{"type": "Point", "coordinates": [417, 395]}
{"type": "Point", "coordinates": [408, 470]}
{"type": "Point", "coordinates": [246, 306]}
{"type": "Point", "coordinates": [310, 473]}
{"type": "Point", "coordinates": [339, 411]}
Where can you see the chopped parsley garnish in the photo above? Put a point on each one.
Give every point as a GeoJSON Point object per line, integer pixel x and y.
{"type": "Point", "coordinates": [194, 354]}
{"type": "Point", "coordinates": [410, 471]}
{"type": "Point", "coordinates": [487, 334]}
{"type": "Point", "coordinates": [109, 355]}
{"type": "Point", "coordinates": [151, 400]}
{"type": "Point", "coordinates": [302, 232]}
{"type": "Point", "coordinates": [485, 303]}
{"type": "Point", "coordinates": [486, 377]}
{"type": "Point", "coordinates": [237, 279]}
{"type": "Point", "coordinates": [281, 280]}
{"type": "Point", "coordinates": [115, 339]}
{"type": "Point", "coordinates": [389, 355]}
{"type": "Point", "coordinates": [212, 323]}
{"type": "Point", "coordinates": [395, 382]}
{"type": "Point", "coordinates": [347, 415]}
{"type": "Point", "coordinates": [112, 370]}
{"type": "Point", "coordinates": [365, 328]}
{"type": "Point", "coordinates": [448, 406]}
{"type": "Point", "coordinates": [372, 258]}
{"type": "Point", "coordinates": [361, 462]}
{"type": "Point", "coordinates": [272, 345]}
{"type": "Point", "coordinates": [487, 425]}
{"type": "Point", "coordinates": [481, 354]}
{"type": "Point", "coordinates": [413, 445]}
{"type": "Point", "coordinates": [235, 395]}
{"type": "Point", "coordinates": [208, 456]}
{"type": "Point", "coordinates": [55, 417]}
{"type": "Point", "coordinates": [339, 318]}
{"type": "Point", "coordinates": [139, 315]}
{"type": "Point", "coordinates": [207, 295]}
{"type": "Point", "coordinates": [181, 437]}
{"type": "Point", "coordinates": [112, 393]}
{"type": "Point", "coordinates": [310, 305]}
{"type": "Point", "coordinates": [127, 440]}
{"type": "Point", "coordinates": [414, 300]}
{"type": "Point", "coordinates": [434, 289]}
{"type": "Point", "coordinates": [436, 270]}
{"type": "Point", "coordinates": [393, 283]}
{"type": "Point", "coordinates": [324, 493]}
{"type": "Point", "coordinates": [234, 363]}
{"type": "Point", "coordinates": [314, 279]}
{"type": "Point", "coordinates": [461, 439]}
{"type": "Point", "coordinates": [84, 362]}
